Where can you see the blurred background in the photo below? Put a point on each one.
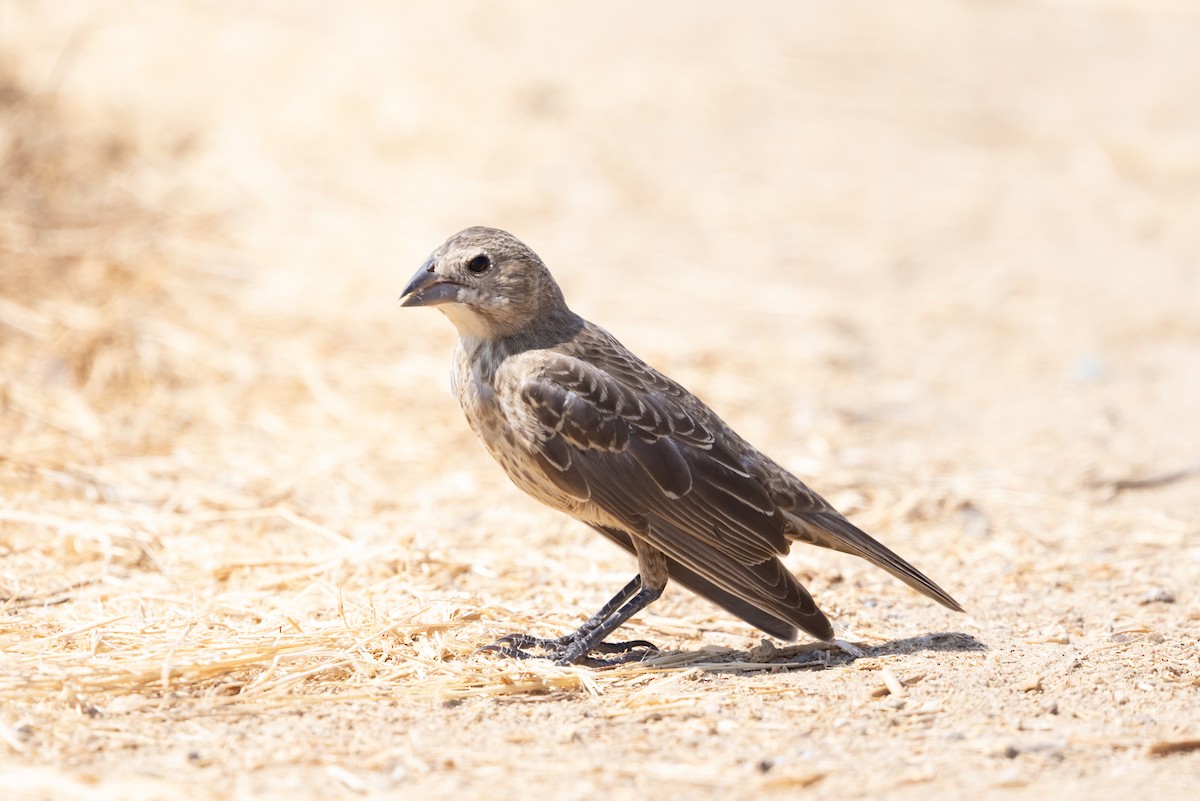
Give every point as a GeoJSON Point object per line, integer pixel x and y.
{"type": "Point", "coordinates": [948, 237]}
{"type": "Point", "coordinates": [942, 259]}
{"type": "Point", "coordinates": [960, 198]}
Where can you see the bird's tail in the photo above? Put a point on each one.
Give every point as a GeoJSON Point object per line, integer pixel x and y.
{"type": "Point", "coordinates": [831, 530]}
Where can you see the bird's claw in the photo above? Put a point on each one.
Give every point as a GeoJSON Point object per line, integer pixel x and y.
{"type": "Point", "coordinates": [568, 650]}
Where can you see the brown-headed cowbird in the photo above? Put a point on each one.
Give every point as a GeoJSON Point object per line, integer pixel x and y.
{"type": "Point", "coordinates": [586, 427]}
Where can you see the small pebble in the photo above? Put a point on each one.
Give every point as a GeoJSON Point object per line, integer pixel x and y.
{"type": "Point", "coordinates": [1158, 595]}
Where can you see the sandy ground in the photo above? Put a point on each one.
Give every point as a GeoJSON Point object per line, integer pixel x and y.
{"type": "Point", "coordinates": [940, 259]}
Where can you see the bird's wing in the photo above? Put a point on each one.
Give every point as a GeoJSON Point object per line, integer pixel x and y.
{"type": "Point", "coordinates": [642, 455]}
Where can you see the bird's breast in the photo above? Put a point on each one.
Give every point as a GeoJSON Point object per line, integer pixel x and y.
{"type": "Point", "coordinates": [473, 381]}
{"type": "Point", "coordinates": [481, 387]}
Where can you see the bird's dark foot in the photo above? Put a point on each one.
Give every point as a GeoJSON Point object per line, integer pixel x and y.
{"type": "Point", "coordinates": [576, 648]}
{"type": "Point", "coordinates": [572, 649]}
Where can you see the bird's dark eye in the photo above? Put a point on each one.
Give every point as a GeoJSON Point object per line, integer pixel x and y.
{"type": "Point", "coordinates": [479, 263]}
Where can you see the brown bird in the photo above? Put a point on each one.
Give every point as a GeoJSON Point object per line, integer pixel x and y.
{"type": "Point", "coordinates": [586, 427]}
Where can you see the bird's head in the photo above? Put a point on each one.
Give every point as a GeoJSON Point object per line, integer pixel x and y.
{"type": "Point", "coordinates": [488, 282]}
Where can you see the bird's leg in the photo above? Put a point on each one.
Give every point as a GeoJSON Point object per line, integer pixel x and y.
{"type": "Point", "coordinates": [652, 575]}
{"type": "Point", "coordinates": [644, 589]}
{"type": "Point", "coordinates": [592, 623]}
{"type": "Point", "coordinates": [618, 610]}
{"type": "Point", "coordinates": [597, 620]}
{"type": "Point", "coordinates": [582, 642]}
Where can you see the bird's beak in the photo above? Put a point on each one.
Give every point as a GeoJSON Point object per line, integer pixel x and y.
{"type": "Point", "coordinates": [427, 288]}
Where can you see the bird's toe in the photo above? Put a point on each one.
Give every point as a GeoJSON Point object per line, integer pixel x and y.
{"type": "Point", "coordinates": [571, 649]}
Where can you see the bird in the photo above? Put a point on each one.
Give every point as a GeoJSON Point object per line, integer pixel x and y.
{"type": "Point", "coordinates": [586, 427]}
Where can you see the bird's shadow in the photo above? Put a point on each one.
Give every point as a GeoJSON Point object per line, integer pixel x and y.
{"type": "Point", "coordinates": [812, 656]}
